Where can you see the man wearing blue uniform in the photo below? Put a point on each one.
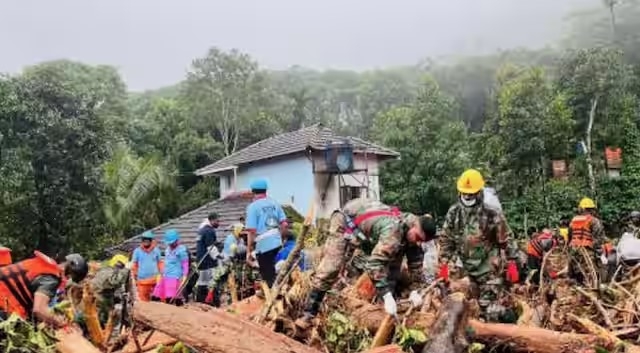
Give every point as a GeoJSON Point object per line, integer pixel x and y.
{"type": "Point", "coordinates": [265, 222]}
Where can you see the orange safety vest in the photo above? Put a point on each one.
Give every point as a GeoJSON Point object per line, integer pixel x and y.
{"type": "Point", "coordinates": [535, 248]}
{"type": "Point", "coordinates": [581, 231]}
{"type": "Point", "coordinates": [16, 294]}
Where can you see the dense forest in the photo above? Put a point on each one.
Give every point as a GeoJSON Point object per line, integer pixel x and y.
{"type": "Point", "coordinates": [85, 163]}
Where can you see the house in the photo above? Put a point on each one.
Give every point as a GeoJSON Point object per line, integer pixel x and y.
{"type": "Point", "coordinates": [310, 165]}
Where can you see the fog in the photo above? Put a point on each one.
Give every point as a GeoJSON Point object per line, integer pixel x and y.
{"type": "Point", "coordinates": [152, 42]}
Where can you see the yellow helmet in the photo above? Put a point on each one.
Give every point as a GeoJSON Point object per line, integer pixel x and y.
{"type": "Point", "coordinates": [470, 182]}
{"type": "Point", "coordinates": [586, 203]}
{"type": "Point", "coordinates": [237, 229]}
{"type": "Point", "coordinates": [118, 258]}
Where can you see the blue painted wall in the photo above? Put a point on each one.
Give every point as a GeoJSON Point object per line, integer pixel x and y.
{"type": "Point", "coordinates": [290, 180]}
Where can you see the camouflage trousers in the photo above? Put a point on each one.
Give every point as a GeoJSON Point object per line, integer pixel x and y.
{"type": "Point", "coordinates": [342, 253]}
{"type": "Point", "coordinates": [336, 249]}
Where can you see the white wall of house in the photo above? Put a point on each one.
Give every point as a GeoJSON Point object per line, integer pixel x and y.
{"type": "Point", "coordinates": [367, 182]}
{"type": "Point", "coordinates": [292, 182]}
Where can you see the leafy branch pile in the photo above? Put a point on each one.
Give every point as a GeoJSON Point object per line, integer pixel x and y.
{"type": "Point", "coordinates": [19, 336]}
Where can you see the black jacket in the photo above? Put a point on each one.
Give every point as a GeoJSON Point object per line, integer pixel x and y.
{"type": "Point", "coordinates": [206, 238]}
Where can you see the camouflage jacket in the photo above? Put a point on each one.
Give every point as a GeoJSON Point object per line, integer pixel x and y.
{"type": "Point", "coordinates": [109, 282]}
{"type": "Point", "coordinates": [387, 235]}
{"type": "Point", "coordinates": [474, 234]}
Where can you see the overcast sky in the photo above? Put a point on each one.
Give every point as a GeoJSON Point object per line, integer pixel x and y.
{"type": "Point", "coordinates": [152, 42]}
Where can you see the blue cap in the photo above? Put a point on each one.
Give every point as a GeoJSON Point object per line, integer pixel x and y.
{"type": "Point", "coordinates": [148, 235]}
{"type": "Point", "coordinates": [259, 184]}
{"type": "Point", "coordinates": [171, 236]}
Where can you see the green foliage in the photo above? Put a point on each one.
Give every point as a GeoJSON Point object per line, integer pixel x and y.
{"type": "Point", "coordinates": [137, 189]}
{"type": "Point", "coordinates": [83, 163]}
{"type": "Point", "coordinates": [407, 338]}
{"type": "Point", "coordinates": [342, 336]}
{"type": "Point", "coordinates": [433, 148]}
{"type": "Point", "coordinates": [21, 336]}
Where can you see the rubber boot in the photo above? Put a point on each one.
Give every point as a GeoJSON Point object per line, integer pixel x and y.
{"type": "Point", "coordinates": [311, 309]}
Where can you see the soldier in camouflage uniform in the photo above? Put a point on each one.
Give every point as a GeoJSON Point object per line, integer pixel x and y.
{"type": "Point", "coordinates": [110, 285]}
{"type": "Point", "coordinates": [633, 225]}
{"type": "Point", "coordinates": [476, 235]}
{"type": "Point", "coordinates": [379, 230]}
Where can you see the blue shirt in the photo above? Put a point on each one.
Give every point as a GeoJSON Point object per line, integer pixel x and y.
{"type": "Point", "coordinates": [173, 259]}
{"type": "Point", "coordinates": [283, 254]}
{"type": "Point", "coordinates": [147, 262]}
{"type": "Point", "coordinates": [229, 240]}
{"type": "Point", "coordinates": [265, 215]}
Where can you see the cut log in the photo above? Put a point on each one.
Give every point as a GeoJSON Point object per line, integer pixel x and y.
{"type": "Point", "coordinates": [74, 342]}
{"type": "Point", "coordinates": [449, 327]}
{"type": "Point", "coordinates": [391, 348]}
{"type": "Point", "coordinates": [215, 331]}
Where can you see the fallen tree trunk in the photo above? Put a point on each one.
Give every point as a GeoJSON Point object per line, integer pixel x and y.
{"type": "Point", "coordinates": [74, 342]}
{"type": "Point", "coordinates": [520, 338]}
{"type": "Point", "coordinates": [215, 331]}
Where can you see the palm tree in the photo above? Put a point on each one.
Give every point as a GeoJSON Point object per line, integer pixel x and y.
{"type": "Point", "coordinates": [136, 188]}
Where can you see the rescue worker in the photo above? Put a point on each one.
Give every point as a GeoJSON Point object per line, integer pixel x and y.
{"type": "Point", "coordinates": [288, 243]}
{"type": "Point", "coordinates": [477, 236]}
{"type": "Point", "coordinates": [110, 284]}
{"type": "Point", "coordinates": [391, 234]}
{"type": "Point", "coordinates": [175, 270]}
{"type": "Point", "coordinates": [206, 264]}
{"type": "Point", "coordinates": [563, 229]}
{"type": "Point", "coordinates": [539, 244]}
{"type": "Point", "coordinates": [266, 220]}
{"type": "Point", "coordinates": [633, 226]}
{"type": "Point", "coordinates": [147, 266]}
{"type": "Point", "coordinates": [587, 231]}
{"type": "Point", "coordinates": [26, 287]}
{"type": "Point", "coordinates": [233, 251]}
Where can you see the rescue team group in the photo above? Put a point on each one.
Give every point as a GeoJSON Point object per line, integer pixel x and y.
{"type": "Point", "coordinates": [475, 241]}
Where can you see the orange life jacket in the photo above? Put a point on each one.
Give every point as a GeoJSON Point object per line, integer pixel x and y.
{"type": "Point", "coordinates": [5, 256]}
{"type": "Point", "coordinates": [16, 294]}
{"type": "Point", "coordinates": [535, 246]}
{"type": "Point", "coordinates": [581, 231]}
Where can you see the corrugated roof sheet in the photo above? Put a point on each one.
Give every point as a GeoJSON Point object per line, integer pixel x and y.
{"type": "Point", "coordinates": [229, 209]}
{"type": "Point", "coordinates": [315, 137]}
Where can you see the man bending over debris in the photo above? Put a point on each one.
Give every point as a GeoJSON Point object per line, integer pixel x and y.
{"type": "Point", "coordinates": [26, 287]}
{"type": "Point", "coordinates": [370, 224]}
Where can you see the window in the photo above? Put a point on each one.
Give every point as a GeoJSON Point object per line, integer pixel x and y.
{"type": "Point", "coordinates": [348, 193]}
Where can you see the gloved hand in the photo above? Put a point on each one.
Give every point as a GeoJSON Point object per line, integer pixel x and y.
{"type": "Point", "coordinates": [279, 265]}
{"type": "Point", "coordinates": [443, 273]}
{"type": "Point", "coordinates": [415, 298]}
{"type": "Point", "coordinates": [390, 305]}
{"type": "Point", "coordinates": [512, 272]}
{"type": "Point", "coordinates": [209, 298]}
{"type": "Point", "coordinates": [428, 279]}
{"type": "Point", "coordinates": [604, 259]}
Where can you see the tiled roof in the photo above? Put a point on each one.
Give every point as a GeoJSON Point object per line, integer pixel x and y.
{"type": "Point", "coordinates": [230, 209]}
{"type": "Point", "coordinates": [315, 137]}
